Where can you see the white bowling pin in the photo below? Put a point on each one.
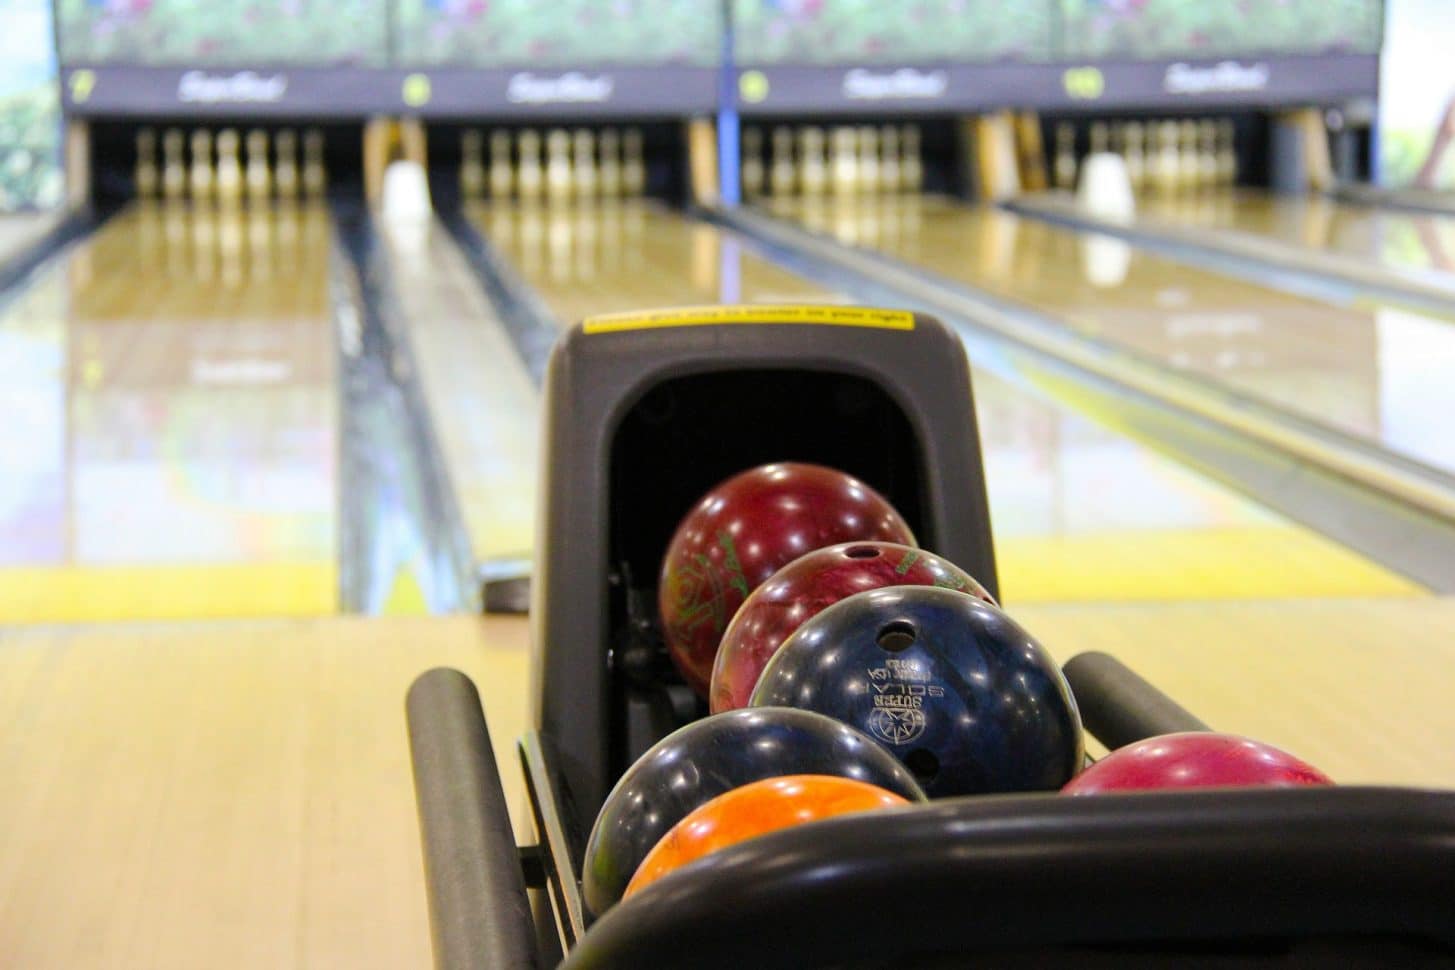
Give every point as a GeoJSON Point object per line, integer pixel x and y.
{"type": "Point", "coordinates": [583, 157]}
{"type": "Point", "coordinates": [174, 164]}
{"type": "Point", "coordinates": [868, 164]}
{"type": "Point", "coordinates": [530, 178]}
{"type": "Point", "coordinates": [911, 166]}
{"type": "Point", "coordinates": [201, 181]}
{"type": "Point", "coordinates": [315, 176]}
{"type": "Point", "coordinates": [889, 158]}
{"type": "Point", "coordinates": [146, 176]}
{"type": "Point", "coordinates": [783, 176]}
{"type": "Point", "coordinates": [558, 165]}
{"type": "Point", "coordinates": [285, 172]}
{"type": "Point", "coordinates": [502, 172]}
{"type": "Point", "coordinates": [258, 176]}
{"type": "Point", "coordinates": [751, 169]}
{"type": "Point", "coordinates": [812, 166]}
{"type": "Point", "coordinates": [845, 161]}
{"type": "Point", "coordinates": [229, 167]}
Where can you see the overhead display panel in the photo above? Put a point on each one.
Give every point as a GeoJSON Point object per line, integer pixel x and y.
{"type": "Point", "coordinates": [895, 56]}
{"type": "Point", "coordinates": [224, 33]}
{"type": "Point", "coordinates": [572, 57]}
{"type": "Point", "coordinates": [878, 32]}
{"type": "Point", "coordinates": [1154, 29]}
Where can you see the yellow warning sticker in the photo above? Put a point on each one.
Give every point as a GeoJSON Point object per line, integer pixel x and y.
{"type": "Point", "coordinates": [700, 316]}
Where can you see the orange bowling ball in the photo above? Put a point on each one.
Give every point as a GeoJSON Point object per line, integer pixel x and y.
{"type": "Point", "coordinates": [756, 809]}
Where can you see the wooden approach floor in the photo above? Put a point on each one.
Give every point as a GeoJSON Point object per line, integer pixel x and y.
{"type": "Point", "coordinates": [239, 794]}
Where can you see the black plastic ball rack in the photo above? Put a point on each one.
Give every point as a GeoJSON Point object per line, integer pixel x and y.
{"type": "Point", "coordinates": [646, 412]}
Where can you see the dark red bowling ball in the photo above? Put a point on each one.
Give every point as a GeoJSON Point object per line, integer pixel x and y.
{"type": "Point", "coordinates": [1194, 760]}
{"type": "Point", "coordinates": [806, 586]}
{"type": "Point", "coordinates": [745, 530]}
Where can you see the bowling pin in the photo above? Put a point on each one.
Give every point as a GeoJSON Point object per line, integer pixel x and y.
{"type": "Point", "coordinates": [259, 178]}
{"type": "Point", "coordinates": [783, 177]}
{"type": "Point", "coordinates": [200, 182]}
{"type": "Point", "coordinates": [285, 172]}
{"type": "Point", "coordinates": [146, 176]}
{"type": "Point", "coordinates": [1064, 167]}
{"type": "Point", "coordinates": [1099, 141]}
{"type": "Point", "coordinates": [633, 163]}
{"type": "Point", "coordinates": [502, 174]}
{"type": "Point", "coordinates": [229, 167]}
{"type": "Point", "coordinates": [583, 157]}
{"type": "Point", "coordinates": [1189, 169]}
{"type": "Point", "coordinates": [530, 180]}
{"type": "Point", "coordinates": [845, 160]}
{"type": "Point", "coordinates": [1227, 153]}
{"type": "Point", "coordinates": [472, 165]}
{"type": "Point", "coordinates": [174, 165]}
{"type": "Point", "coordinates": [1168, 162]}
{"type": "Point", "coordinates": [751, 169]}
{"type": "Point", "coordinates": [868, 158]}
{"type": "Point", "coordinates": [889, 158]}
{"type": "Point", "coordinates": [911, 166]}
{"type": "Point", "coordinates": [610, 171]}
{"type": "Point", "coordinates": [812, 167]}
{"type": "Point", "coordinates": [1132, 147]}
{"type": "Point", "coordinates": [1207, 152]}
{"type": "Point", "coordinates": [315, 177]}
{"type": "Point", "coordinates": [558, 165]}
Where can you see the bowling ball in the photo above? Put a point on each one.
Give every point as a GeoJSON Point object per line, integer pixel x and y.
{"type": "Point", "coordinates": [1194, 760]}
{"type": "Point", "coordinates": [745, 530]}
{"type": "Point", "coordinates": [803, 588]}
{"type": "Point", "coordinates": [695, 764]}
{"type": "Point", "coordinates": [948, 683]}
{"type": "Point", "coordinates": [755, 809]}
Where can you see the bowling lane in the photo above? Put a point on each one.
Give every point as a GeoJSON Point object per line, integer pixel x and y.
{"type": "Point", "coordinates": [1416, 245]}
{"type": "Point", "coordinates": [173, 420]}
{"type": "Point", "coordinates": [1079, 511]}
{"type": "Point", "coordinates": [1375, 372]}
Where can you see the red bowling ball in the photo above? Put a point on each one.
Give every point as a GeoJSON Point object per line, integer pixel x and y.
{"type": "Point", "coordinates": [745, 530]}
{"type": "Point", "coordinates": [806, 586]}
{"type": "Point", "coordinates": [1194, 760]}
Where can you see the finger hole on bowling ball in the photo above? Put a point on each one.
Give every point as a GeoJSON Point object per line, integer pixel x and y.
{"type": "Point", "coordinates": [861, 552]}
{"type": "Point", "coordinates": [896, 636]}
{"type": "Point", "coordinates": [922, 764]}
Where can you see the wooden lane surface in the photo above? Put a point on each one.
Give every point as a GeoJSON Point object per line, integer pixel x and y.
{"type": "Point", "coordinates": [226, 795]}
{"type": "Point", "coordinates": [1371, 372]}
{"type": "Point", "coordinates": [1391, 239]}
{"type": "Point", "coordinates": [1079, 512]}
{"type": "Point", "coordinates": [631, 255]}
{"type": "Point", "coordinates": [239, 794]}
{"type": "Point", "coordinates": [181, 454]}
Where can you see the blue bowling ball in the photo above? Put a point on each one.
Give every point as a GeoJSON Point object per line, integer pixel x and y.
{"type": "Point", "coordinates": [949, 684]}
{"type": "Point", "coordinates": [710, 757]}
